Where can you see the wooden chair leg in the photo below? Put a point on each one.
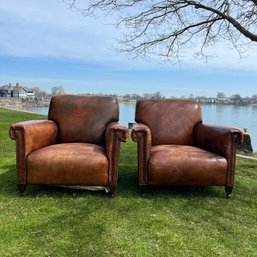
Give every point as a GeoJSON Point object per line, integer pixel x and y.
{"type": "Point", "coordinates": [228, 190]}
{"type": "Point", "coordinates": [22, 188]}
{"type": "Point", "coordinates": [112, 191]}
{"type": "Point", "coordinates": [143, 190]}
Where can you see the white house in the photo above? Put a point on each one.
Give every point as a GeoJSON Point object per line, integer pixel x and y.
{"type": "Point", "coordinates": [24, 93]}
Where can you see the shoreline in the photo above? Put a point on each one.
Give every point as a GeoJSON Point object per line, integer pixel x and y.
{"type": "Point", "coordinates": [19, 102]}
{"type": "Point", "coordinates": [21, 110]}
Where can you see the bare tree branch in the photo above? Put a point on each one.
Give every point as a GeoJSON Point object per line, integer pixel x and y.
{"type": "Point", "coordinates": [231, 20]}
{"type": "Point", "coordinates": [254, 1]}
{"type": "Point", "coordinates": [167, 28]}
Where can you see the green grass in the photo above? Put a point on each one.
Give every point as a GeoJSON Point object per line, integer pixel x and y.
{"type": "Point", "coordinates": [197, 221]}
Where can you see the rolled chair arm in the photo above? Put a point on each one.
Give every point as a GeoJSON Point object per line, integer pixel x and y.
{"type": "Point", "coordinates": [221, 140]}
{"type": "Point", "coordinates": [217, 139]}
{"type": "Point", "coordinates": [35, 133]}
{"type": "Point", "coordinates": [114, 134]}
{"type": "Point", "coordinates": [30, 136]}
{"type": "Point", "coordinates": [142, 134]}
{"type": "Point", "coordinates": [138, 129]}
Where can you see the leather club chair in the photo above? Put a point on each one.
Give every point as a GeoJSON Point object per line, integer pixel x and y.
{"type": "Point", "coordinates": [176, 148]}
{"type": "Point", "coordinates": [78, 144]}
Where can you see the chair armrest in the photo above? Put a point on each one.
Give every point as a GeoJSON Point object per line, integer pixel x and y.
{"type": "Point", "coordinates": [217, 139]}
{"type": "Point", "coordinates": [142, 134]}
{"type": "Point", "coordinates": [30, 136]}
{"type": "Point", "coordinates": [221, 140]}
{"type": "Point", "coordinates": [34, 134]}
{"type": "Point", "coordinates": [115, 129]}
{"type": "Point", "coordinates": [114, 134]}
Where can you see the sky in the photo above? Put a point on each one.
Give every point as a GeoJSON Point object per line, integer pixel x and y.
{"type": "Point", "coordinates": [44, 44]}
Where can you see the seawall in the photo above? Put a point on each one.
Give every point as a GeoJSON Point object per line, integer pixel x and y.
{"type": "Point", "coordinates": [18, 103]}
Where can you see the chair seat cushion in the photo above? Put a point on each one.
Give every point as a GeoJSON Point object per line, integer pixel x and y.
{"type": "Point", "coordinates": [68, 164]}
{"type": "Point", "coordinates": [185, 165]}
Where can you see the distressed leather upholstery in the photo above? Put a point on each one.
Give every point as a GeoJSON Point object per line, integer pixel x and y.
{"type": "Point", "coordinates": [77, 145]}
{"type": "Point", "coordinates": [176, 148]}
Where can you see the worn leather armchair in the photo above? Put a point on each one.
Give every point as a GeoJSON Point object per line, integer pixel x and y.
{"type": "Point", "coordinates": [176, 148]}
{"type": "Point", "coordinates": [78, 144]}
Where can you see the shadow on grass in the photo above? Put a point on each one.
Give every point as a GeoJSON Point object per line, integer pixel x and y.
{"type": "Point", "coordinates": [185, 191]}
{"type": "Point", "coordinates": [8, 180]}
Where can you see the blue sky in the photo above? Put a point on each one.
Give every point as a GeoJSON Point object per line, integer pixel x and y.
{"type": "Point", "coordinates": [45, 44]}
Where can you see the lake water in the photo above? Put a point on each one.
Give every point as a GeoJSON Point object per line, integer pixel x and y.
{"type": "Point", "coordinates": [228, 115]}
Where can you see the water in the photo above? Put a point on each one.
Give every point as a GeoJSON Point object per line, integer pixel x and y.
{"type": "Point", "coordinates": [233, 115]}
{"type": "Point", "coordinates": [227, 115]}
{"type": "Point", "coordinates": [38, 110]}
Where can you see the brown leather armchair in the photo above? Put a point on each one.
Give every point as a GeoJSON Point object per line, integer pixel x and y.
{"type": "Point", "coordinates": [78, 144]}
{"type": "Point", "coordinates": [175, 148]}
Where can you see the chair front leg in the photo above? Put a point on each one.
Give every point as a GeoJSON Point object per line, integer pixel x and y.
{"type": "Point", "coordinates": [22, 188]}
{"type": "Point", "coordinates": [228, 190]}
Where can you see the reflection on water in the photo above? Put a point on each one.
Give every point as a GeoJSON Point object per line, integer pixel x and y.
{"type": "Point", "coordinates": [228, 115]}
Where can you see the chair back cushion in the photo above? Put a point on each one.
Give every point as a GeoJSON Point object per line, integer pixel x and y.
{"type": "Point", "coordinates": [83, 118]}
{"type": "Point", "coordinates": [170, 121]}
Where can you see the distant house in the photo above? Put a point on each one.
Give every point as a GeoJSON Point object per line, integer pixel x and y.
{"type": "Point", "coordinates": [5, 93]}
{"type": "Point", "coordinates": [16, 91]}
{"type": "Point", "coordinates": [205, 100]}
{"type": "Point", "coordinates": [224, 100]}
{"type": "Point", "coordinates": [25, 93]}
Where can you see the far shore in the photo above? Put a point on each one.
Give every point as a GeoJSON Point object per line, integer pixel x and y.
{"type": "Point", "coordinates": [20, 104]}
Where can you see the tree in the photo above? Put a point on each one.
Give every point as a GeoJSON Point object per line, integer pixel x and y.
{"type": "Point", "coordinates": [220, 95]}
{"type": "Point", "coordinates": [254, 98]}
{"type": "Point", "coordinates": [57, 90]}
{"type": "Point", "coordinates": [157, 95]}
{"type": "Point", "coordinates": [167, 28]}
{"type": "Point", "coordinates": [236, 99]}
{"type": "Point", "coordinates": [135, 97]}
{"type": "Point", "coordinates": [39, 94]}
{"type": "Point", "coordinates": [191, 96]}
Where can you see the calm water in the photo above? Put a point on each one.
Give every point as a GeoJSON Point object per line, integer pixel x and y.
{"type": "Point", "coordinates": [239, 116]}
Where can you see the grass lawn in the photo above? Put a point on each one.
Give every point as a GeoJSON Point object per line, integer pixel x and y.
{"type": "Point", "coordinates": [58, 222]}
